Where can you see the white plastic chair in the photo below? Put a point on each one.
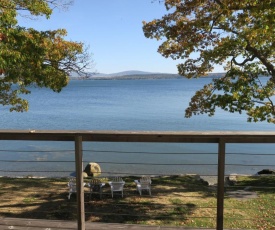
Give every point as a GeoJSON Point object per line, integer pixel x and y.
{"type": "Point", "coordinates": [144, 183]}
{"type": "Point", "coordinates": [72, 187]}
{"type": "Point", "coordinates": [117, 185]}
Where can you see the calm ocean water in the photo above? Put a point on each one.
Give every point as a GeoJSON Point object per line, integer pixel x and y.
{"type": "Point", "coordinates": [156, 105]}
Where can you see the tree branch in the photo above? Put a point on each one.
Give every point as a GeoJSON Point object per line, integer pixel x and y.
{"type": "Point", "coordinates": [244, 62]}
{"type": "Point", "coordinates": [268, 65]}
{"type": "Point", "coordinates": [218, 2]}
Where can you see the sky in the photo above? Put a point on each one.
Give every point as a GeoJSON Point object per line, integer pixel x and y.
{"type": "Point", "coordinates": [113, 31]}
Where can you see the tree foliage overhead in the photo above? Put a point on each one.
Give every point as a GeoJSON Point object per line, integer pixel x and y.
{"type": "Point", "coordinates": [237, 34]}
{"type": "Point", "coordinates": [30, 57]}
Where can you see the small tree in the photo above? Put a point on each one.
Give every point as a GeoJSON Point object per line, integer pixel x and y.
{"type": "Point", "coordinates": [31, 57]}
{"type": "Point", "coordinates": [238, 34]}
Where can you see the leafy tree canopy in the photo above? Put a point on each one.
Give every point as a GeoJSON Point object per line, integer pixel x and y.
{"type": "Point", "coordinates": [237, 34]}
{"type": "Point", "coordinates": [30, 57]}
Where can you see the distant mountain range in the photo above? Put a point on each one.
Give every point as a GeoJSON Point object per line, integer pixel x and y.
{"type": "Point", "coordinates": [134, 74]}
{"type": "Point", "coordinates": [124, 73]}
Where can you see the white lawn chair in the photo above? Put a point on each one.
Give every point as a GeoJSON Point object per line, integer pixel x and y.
{"type": "Point", "coordinates": [72, 187]}
{"type": "Point", "coordinates": [144, 183]}
{"type": "Point", "coordinates": [117, 185]}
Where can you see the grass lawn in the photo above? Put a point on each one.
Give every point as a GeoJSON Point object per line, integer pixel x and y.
{"type": "Point", "coordinates": [176, 200]}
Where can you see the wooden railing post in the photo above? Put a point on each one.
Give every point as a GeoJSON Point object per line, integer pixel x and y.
{"type": "Point", "coordinates": [220, 189]}
{"type": "Point", "coordinates": [79, 183]}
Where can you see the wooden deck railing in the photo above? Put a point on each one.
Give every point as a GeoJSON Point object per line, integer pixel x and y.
{"type": "Point", "coordinates": [220, 138]}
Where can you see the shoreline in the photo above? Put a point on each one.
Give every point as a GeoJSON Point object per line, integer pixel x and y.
{"type": "Point", "coordinates": [211, 180]}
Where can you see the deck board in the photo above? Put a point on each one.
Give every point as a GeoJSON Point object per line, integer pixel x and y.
{"type": "Point", "coordinates": [39, 224]}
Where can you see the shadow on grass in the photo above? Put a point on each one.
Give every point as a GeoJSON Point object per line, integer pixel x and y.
{"type": "Point", "coordinates": [260, 184]}
{"type": "Point", "coordinates": [163, 206]}
{"type": "Point", "coordinates": [184, 184]}
{"type": "Point", "coordinates": [36, 198]}
{"type": "Point", "coordinates": [47, 199]}
{"type": "Point", "coordinates": [135, 209]}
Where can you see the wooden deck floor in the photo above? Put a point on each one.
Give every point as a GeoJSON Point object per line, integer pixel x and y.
{"type": "Point", "coordinates": [38, 224]}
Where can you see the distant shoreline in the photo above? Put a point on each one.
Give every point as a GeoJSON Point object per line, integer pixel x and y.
{"type": "Point", "coordinates": [143, 77]}
{"type": "Point", "coordinates": [211, 180]}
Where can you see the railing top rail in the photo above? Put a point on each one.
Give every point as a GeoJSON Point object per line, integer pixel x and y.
{"type": "Point", "coordinates": [142, 136]}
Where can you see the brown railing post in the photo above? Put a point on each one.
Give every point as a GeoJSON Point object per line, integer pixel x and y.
{"type": "Point", "coordinates": [79, 183]}
{"type": "Point", "coordinates": [220, 189]}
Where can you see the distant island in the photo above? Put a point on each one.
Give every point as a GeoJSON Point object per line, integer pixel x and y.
{"type": "Point", "coordinates": [136, 75]}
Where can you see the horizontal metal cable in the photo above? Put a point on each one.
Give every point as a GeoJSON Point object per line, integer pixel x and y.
{"type": "Point", "coordinates": [150, 174]}
{"type": "Point", "coordinates": [124, 214]}
{"type": "Point", "coordinates": [31, 171]}
{"type": "Point", "coordinates": [35, 211]}
{"type": "Point", "coordinates": [149, 196]}
{"type": "Point", "coordinates": [141, 152]}
{"type": "Point", "coordinates": [180, 153]}
{"type": "Point", "coordinates": [248, 165]}
{"type": "Point", "coordinates": [149, 205]}
{"type": "Point", "coordinates": [110, 162]}
{"type": "Point", "coordinates": [140, 204]}
{"type": "Point", "coordinates": [173, 205]}
{"type": "Point", "coordinates": [250, 187]}
{"type": "Point", "coordinates": [118, 204]}
{"type": "Point", "coordinates": [36, 151]}
{"type": "Point", "coordinates": [252, 154]}
{"type": "Point", "coordinates": [26, 161]}
{"type": "Point", "coordinates": [240, 208]}
{"type": "Point", "coordinates": [116, 163]}
{"type": "Point", "coordinates": [153, 216]}
{"type": "Point", "coordinates": [250, 219]}
{"type": "Point", "coordinates": [98, 151]}
{"type": "Point", "coordinates": [142, 163]}
{"type": "Point", "coordinates": [105, 172]}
